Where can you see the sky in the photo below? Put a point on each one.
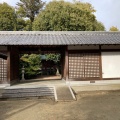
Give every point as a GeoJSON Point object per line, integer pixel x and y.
{"type": "Point", "coordinates": [107, 11]}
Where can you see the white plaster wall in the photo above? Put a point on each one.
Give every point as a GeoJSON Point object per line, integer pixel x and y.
{"type": "Point", "coordinates": [83, 47]}
{"type": "Point", "coordinates": [110, 64]}
{"type": "Point", "coordinates": [107, 47]}
{"type": "Point", "coordinates": [3, 48]}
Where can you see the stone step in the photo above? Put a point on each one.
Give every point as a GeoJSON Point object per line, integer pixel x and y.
{"type": "Point", "coordinates": [28, 92]}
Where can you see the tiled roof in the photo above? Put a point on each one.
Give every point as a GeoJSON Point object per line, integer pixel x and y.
{"type": "Point", "coordinates": [58, 38]}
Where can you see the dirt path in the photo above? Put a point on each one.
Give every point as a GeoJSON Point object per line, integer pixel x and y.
{"type": "Point", "coordinates": [89, 106]}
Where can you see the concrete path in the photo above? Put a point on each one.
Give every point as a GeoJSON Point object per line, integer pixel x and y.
{"type": "Point", "coordinates": [96, 87]}
{"type": "Point", "coordinates": [1, 91]}
{"type": "Point", "coordinates": [64, 93]}
{"type": "Point", "coordinates": [61, 91]}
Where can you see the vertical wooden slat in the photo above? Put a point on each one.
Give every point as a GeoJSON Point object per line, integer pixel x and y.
{"type": "Point", "coordinates": [66, 64]}
{"type": "Point", "coordinates": [3, 70]}
{"type": "Point", "coordinates": [0, 70]}
{"type": "Point", "coordinates": [84, 65]}
{"type": "Point", "coordinates": [100, 61]}
{"type": "Point", "coordinates": [76, 66]}
{"type": "Point", "coordinates": [62, 62]}
{"type": "Point", "coordinates": [92, 65]}
{"type": "Point", "coordinates": [8, 66]}
{"type": "Point", "coordinates": [13, 62]}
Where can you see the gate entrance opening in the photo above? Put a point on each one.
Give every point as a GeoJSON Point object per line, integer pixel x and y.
{"type": "Point", "coordinates": [42, 63]}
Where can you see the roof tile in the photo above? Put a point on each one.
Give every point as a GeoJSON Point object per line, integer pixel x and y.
{"type": "Point", "coordinates": [58, 38]}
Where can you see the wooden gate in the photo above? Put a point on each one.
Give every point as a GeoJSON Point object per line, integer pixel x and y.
{"type": "Point", "coordinates": [3, 70]}
{"type": "Point", "coordinates": [84, 66]}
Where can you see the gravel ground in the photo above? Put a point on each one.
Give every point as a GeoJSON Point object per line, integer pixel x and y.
{"type": "Point", "coordinates": [102, 105]}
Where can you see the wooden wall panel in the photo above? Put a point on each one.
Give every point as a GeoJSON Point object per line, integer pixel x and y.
{"type": "Point", "coordinates": [65, 75]}
{"type": "Point", "coordinates": [84, 65]}
{"type": "Point", "coordinates": [91, 63]}
{"type": "Point", "coordinates": [3, 70]}
{"type": "Point", "coordinates": [76, 66]}
{"type": "Point", "coordinates": [3, 67]}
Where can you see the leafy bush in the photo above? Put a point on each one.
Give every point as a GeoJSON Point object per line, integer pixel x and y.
{"type": "Point", "coordinates": [53, 57]}
{"type": "Point", "coordinates": [32, 64]}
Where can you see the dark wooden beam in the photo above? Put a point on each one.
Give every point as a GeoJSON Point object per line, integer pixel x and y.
{"type": "Point", "coordinates": [100, 62]}
{"type": "Point", "coordinates": [8, 66]}
{"type": "Point", "coordinates": [66, 64]}
{"type": "Point", "coordinates": [40, 50]}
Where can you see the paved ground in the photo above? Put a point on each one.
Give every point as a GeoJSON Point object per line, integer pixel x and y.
{"type": "Point", "coordinates": [39, 83]}
{"type": "Point", "coordinates": [89, 106]}
{"type": "Point", "coordinates": [64, 93]}
{"type": "Point", "coordinates": [48, 77]}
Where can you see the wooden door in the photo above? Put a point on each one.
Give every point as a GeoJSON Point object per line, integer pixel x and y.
{"type": "Point", "coordinates": [84, 66]}
{"type": "Point", "coordinates": [3, 70]}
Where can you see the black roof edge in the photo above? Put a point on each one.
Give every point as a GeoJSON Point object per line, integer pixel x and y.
{"type": "Point", "coordinates": [55, 32]}
{"type": "Point", "coordinates": [4, 56]}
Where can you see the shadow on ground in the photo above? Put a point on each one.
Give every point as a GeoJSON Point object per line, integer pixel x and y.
{"type": "Point", "coordinates": [98, 105]}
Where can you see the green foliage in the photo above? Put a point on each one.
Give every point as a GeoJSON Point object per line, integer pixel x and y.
{"type": "Point", "coordinates": [85, 6]}
{"type": "Point", "coordinates": [66, 16]}
{"type": "Point", "coordinates": [10, 20]}
{"type": "Point", "coordinates": [57, 15]}
{"type": "Point", "coordinates": [20, 24]}
{"type": "Point", "coordinates": [23, 25]}
{"type": "Point", "coordinates": [53, 57]}
{"type": "Point", "coordinates": [29, 8]}
{"type": "Point", "coordinates": [32, 64]}
{"type": "Point", "coordinates": [28, 26]}
{"type": "Point", "coordinates": [99, 26]}
{"type": "Point", "coordinates": [56, 58]}
{"type": "Point", "coordinates": [113, 28]}
{"type": "Point", "coordinates": [7, 18]}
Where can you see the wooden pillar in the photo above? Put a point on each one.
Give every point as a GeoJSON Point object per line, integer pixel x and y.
{"type": "Point", "coordinates": [66, 64]}
{"type": "Point", "coordinates": [100, 63]}
{"type": "Point", "coordinates": [62, 62]}
{"type": "Point", "coordinates": [8, 66]}
{"type": "Point", "coordinates": [12, 65]}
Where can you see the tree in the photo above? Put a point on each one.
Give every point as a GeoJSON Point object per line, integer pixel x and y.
{"type": "Point", "coordinates": [7, 18]}
{"type": "Point", "coordinates": [28, 26]}
{"type": "Point", "coordinates": [99, 26]}
{"type": "Point", "coordinates": [23, 25]}
{"type": "Point", "coordinates": [56, 59]}
{"type": "Point", "coordinates": [32, 64]}
{"type": "Point", "coordinates": [85, 6]}
{"type": "Point", "coordinates": [53, 57]}
{"type": "Point", "coordinates": [29, 8]}
{"type": "Point", "coordinates": [113, 28]}
{"type": "Point", "coordinates": [20, 24]}
{"type": "Point", "coordinates": [66, 16]}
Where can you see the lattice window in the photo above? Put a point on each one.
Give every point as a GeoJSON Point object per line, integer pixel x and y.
{"type": "Point", "coordinates": [84, 65]}
{"type": "Point", "coordinates": [91, 64]}
{"type": "Point", "coordinates": [76, 66]}
{"type": "Point", "coordinates": [3, 70]}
